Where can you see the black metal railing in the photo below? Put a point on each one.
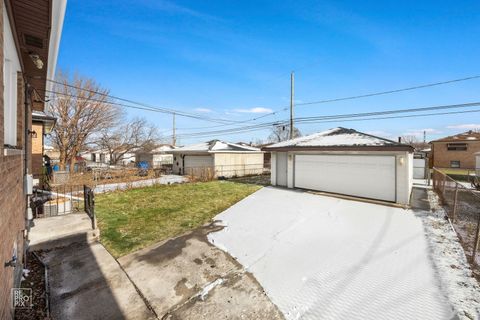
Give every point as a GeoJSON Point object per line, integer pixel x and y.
{"type": "Point", "coordinates": [61, 200]}
{"type": "Point", "coordinates": [89, 204]}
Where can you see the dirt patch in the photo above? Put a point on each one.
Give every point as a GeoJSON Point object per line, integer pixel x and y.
{"type": "Point", "coordinates": [35, 280]}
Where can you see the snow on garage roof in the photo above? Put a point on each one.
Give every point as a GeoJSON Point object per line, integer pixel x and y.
{"type": "Point", "coordinates": [465, 136]}
{"type": "Point", "coordinates": [215, 146]}
{"type": "Point", "coordinates": [339, 138]}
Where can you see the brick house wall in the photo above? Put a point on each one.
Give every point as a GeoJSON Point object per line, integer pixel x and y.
{"type": "Point", "coordinates": [442, 157]}
{"type": "Point", "coordinates": [12, 197]}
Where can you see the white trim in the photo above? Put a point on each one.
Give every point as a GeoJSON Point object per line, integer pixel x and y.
{"type": "Point", "coordinates": [58, 15]}
{"type": "Point", "coordinates": [11, 65]}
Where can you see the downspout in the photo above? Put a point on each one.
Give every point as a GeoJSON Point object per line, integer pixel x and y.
{"type": "Point", "coordinates": [27, 154]}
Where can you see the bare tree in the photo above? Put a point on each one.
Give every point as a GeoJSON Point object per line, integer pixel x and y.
{"type": "Point", "coordinates": [414, 141]}
{"type": "Point", "coordinates": [82, 108]}
{"type": "Point", "coordinates": [126, 138]}
{"type": "Point", "coordinates": [282, 133]}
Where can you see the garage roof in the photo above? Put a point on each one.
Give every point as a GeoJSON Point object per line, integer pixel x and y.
{"type": "Point", "coordinates": [215, 146]}
{"type": "Point", "coordinates": [339, 139]}
{"type": "Point", "coordinates": [465, 136]}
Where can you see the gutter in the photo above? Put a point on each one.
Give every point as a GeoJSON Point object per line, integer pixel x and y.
{"type": "Point", "coordinates": [341, 148]}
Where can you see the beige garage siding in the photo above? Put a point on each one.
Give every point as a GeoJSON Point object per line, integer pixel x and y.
{"type": "Point", "coordinates": [238, 164]}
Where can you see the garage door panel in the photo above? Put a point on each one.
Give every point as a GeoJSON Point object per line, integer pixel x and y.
{"type": "Point", "coordinates": [361, 176]}
{"type": "Point", "coordinates": [198, 161]}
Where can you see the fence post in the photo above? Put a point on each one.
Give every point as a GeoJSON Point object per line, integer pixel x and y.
{"type": "Point", "coordinates": [444, 182]}
{"type": "Point", "coordinates": [475, 244]}
{"type": "Point", "coordinates": [454, 214]}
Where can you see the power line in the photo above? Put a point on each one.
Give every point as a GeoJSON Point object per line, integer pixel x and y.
{"type": "Point", "coordinates": [152, 109]}
{"type": "Point", "coordinates": [225, 122]}
{"type": "Point", "coordinates": [422, 86]}
{"type": "Point", "coordinates": [364, 119]}
{"type": "Point", "coordinates": [337, 117]}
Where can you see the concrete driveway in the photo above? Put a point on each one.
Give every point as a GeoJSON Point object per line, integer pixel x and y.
{"type": "Point", "coordinates": [320, 257]}
{"type": "Point", "coordinates": [188, 278]}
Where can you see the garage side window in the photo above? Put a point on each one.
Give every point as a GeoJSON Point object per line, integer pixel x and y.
{"type": "Point", "coordinates": [455, 164]}
{"type": "Point", "coordinates": [457, 147]}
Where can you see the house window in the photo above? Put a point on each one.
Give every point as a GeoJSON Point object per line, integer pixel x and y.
{"type": "Point", "coordinates": [456, 146]}
{"type": "Point", "coordinates": [94, 157]}
{"type": "Point", "coordinates": [455, 164]}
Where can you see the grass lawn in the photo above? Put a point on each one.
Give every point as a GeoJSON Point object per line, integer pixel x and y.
{"type": "Point", "coordinates": [130, 220]}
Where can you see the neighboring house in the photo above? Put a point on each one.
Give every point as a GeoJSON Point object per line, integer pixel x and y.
{"type": "Point", "coordinates": [30, 35]}
{"type": "Point", "coordinates": [345, 161]}
{"type": "Point", "coordinates": [52, 153]}
{"type": "Point", "coordinates": [42, 125]}
{"type": "Point", "coordinates": [156, 157]}
{"type": "Point", "coordinates": [456, 151]}
{"type": "Point", "coordinates": [102, 158]}
{"type": "Point", "coordinates": [217, 158]}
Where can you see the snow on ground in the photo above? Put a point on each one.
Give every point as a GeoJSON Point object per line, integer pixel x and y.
{"type": "Point", "coordinates": [320, 257]}
{"type": "Point", "coordinates": [451, 264]}
{"type": "Point", "coordinates": [167, 179]}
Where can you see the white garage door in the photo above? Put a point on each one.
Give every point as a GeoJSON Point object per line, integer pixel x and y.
{"type": "Point", "coordinates": [198, 161]}
{"type": "Point", "coordinates": [362, 176]}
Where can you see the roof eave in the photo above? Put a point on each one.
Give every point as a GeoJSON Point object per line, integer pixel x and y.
{"type": "Point", "coordinates": [406, 148]}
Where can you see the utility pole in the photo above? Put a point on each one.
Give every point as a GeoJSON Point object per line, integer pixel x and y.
{"type": "Point", "coordinates": [292, 93]}
{"type": "Point", "coordinates": [424, 136]}
{"type": "Point", "coordinates": [174, 139]}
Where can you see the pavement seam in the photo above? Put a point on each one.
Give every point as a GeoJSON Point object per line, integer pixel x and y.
{"type": "Point", "coordinates": [147, 303]}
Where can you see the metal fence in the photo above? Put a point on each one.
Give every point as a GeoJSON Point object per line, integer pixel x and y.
{"type": "Point", "coordinates": [61, 200]}
{"type": "Point", "coordinates": [463, 209]}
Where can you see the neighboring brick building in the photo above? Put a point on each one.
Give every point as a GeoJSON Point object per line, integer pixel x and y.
{"type": "Point", "coordinates": [29, 37]}
{"type": "Point", "coordinates": [456, 151]}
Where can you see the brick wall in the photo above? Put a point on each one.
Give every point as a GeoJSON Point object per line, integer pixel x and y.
{"type": "Point", "coordinates": [12, 223]}
{"type": "Point", "coordinates": [12, 201]}
{"type": "Point", "coordinates": [442, 156]}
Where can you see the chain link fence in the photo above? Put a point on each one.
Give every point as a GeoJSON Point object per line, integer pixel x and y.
{"type": "Point", "coordinates": [207, 173]}
{"type": "Point", "coordinates": [463, 209]}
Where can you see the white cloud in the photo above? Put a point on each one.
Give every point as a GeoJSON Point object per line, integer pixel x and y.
{"type": "Point", "coordinates": [254, 110]}
{"type": "Point", "coordinates": [466, 126]}
{"type": "Point", "coordinates": [203, 110]}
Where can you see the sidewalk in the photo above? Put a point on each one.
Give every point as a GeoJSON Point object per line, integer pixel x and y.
{"type": "Point", "coordinates": [85, 281]}
{"type": "Point", "coordinates": [167, 179]}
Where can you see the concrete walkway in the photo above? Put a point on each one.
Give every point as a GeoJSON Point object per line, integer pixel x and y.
{"type": "Point", "coordinates": [62, 230]}
{"type": "Point", "coordinates": [85, 281]}
{"type": "Point", "coordinates": [166, 179]}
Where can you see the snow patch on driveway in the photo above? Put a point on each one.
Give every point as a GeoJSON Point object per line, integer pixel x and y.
{"type": "Point", "coordinates": [321, 257]}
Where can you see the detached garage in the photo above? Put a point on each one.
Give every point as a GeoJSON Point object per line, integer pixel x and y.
{"type": "Point", "coordinates": [345, 161]}
{"type": "Point", "coordinates": [215, 158]}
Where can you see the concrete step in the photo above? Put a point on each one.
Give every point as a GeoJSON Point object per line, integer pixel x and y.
{"type": "Point", "coordinates": [85, 236]}
{"type": "Point", "coordinates": [62, 231]}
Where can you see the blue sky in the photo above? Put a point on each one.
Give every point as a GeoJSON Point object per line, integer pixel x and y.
{"type": "Point", "coordinates": [226, 59]}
